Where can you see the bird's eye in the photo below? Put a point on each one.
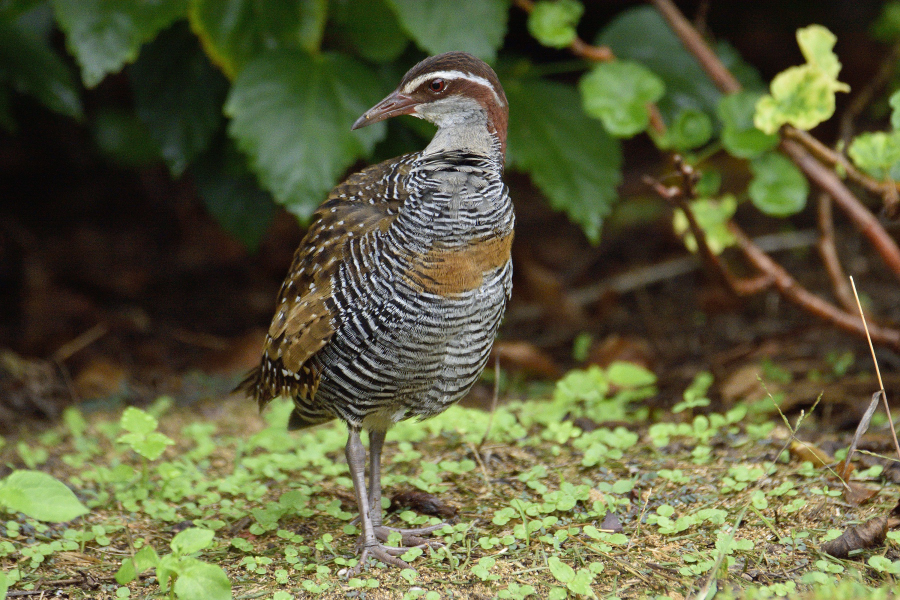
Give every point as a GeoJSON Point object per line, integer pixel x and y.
{"type": "Point", "coordinates": [437, 85]}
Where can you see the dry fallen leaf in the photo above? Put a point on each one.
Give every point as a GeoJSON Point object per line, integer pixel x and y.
{"type": "Point", "coordinates": [101, 378]}
{"type": "Point", "coordinates": [870, 534]}
{"type": "Point", "coordinates": [611, 523]}
{"type": "Point", "coordinates": [857, 494]}
{"type": "Point", "coordinates": [622, 348]}
{"type": "Point", "coordinates": [518, 355]}
{"type": "Point", "coordinates": [807, 452]}
{"type": "Point", "coordinates": [422, 503]}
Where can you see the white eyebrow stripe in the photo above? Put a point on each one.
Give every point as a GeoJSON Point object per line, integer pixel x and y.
{"type": "Point", "coordinates": [412, 85]}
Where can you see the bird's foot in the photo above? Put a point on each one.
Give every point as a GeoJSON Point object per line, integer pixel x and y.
{"type": "Point", "coordinates": [386, 554]}
{"type": "Point", "coordinates": [389, 554]}
{"type": "Point", "coordinates": [410, 538]}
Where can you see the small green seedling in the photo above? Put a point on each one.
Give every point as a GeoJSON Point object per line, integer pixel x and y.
{"type": "Point", "coordinates": [193, 579]}
{"type": "Point", "coordinates": [142, 436]}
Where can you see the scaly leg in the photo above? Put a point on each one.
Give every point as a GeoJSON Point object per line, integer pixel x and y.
{"type": "Point", "coordinates": [368, 544]}
{"type": "Point", "coordinates": [410, 536]}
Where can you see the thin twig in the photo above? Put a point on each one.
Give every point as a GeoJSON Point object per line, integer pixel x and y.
{"type": "Point", "coordinates": [80, 342]}
{"type": "Point", "coordinates": [864, 220]}
{"type": "Point", "coordinates": [578, 46]}
{"type": "Point", "coordinates": [696, 45]}
{"type": "Point", "coordinates": [828, 253]}
{"type": "Point", "coordinates": [796, 293]}
{"type": "Point", "coordinates": [678, 197]}
{"type": "Point", "coordinates": [823, 153]}
{"type": "Point", "coordinates": [825, 178]}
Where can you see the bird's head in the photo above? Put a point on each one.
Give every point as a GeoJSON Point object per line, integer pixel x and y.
{"type": "Point", "coordinates": [449, 89]}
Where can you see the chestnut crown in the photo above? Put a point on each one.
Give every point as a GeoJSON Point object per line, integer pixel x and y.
{"type": "Point", "coordinates": [448, 89]}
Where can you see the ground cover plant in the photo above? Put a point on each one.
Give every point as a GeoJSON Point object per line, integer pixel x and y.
{"type": "Point", "coordinates": [575, 495]}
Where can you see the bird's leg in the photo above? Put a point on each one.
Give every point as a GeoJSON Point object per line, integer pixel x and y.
{"type": "Point", "coordinates": [368, 544]}
{"type": "Point", "coordinates": [376, 442]}
{"type": "Point", "coordinates": [410, 537]}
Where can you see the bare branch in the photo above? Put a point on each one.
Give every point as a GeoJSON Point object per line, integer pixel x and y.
{"type": "Point", "coordinates": [828, 252]}
{"type": "Point", "coordinates": [799, 295]}
{"type": "Point", "coordinates": [696, 45]}
{"type": "Point", "coordinates": [864, 220]}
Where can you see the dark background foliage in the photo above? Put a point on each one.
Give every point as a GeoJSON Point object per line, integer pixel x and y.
{"type": "Point", "coordinates": [158, 160]}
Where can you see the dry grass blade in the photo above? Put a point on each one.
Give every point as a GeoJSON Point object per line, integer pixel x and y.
{"type": "Point", "coordinates": [860, 430]}
{"type": "Point", "coordinates": [887, 407]}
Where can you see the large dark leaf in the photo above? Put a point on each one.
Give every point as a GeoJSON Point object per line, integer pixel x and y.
{"type": "Point", "coordinates": [291, 114]}
{"type": "Point", "coordinates": [179, 95]}
{"type": "Point", "coordinates": [234, 32]}
{"type": "Point", "coordinates": [105, 34]}
{"type": "Point", "coordinates": [372, 27]}
{"type": "Point", "coordinates": [474, 26]}
{"type": "Point", "coordinates": [32, 68]}
{"type": "Point", "coordinates": [569, 156]}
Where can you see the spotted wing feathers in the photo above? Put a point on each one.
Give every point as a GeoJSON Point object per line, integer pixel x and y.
{"type": "Point", "coordinates": [306, 317]}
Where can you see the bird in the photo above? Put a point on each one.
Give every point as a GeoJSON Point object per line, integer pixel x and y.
{"type": "Point", "coordinates": [396, 292]}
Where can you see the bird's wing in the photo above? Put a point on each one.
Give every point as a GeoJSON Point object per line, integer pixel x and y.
{"type": "Point", "coordinates": [305, 317]}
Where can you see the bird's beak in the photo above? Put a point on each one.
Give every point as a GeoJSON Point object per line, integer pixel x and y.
{"type": "Point", "coordinates": [393, 105]}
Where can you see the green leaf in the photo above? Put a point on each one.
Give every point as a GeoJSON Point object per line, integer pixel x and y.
{"type": "Point", "coordinates": [641, 34]}
{"type": "Point", "coordinates": [371, 26]}
{"type": "Point", "coordinates": [11, 10]}
{"type": "Point", "coordinates": [817, 43]}
{"type": "Point", "coordinates": [473, 26]}
{"type": "Point", "coordinates": [804, 95]}
{"type": "Point", "coordinates": [887, 27]}
{"type": "Point", "coordinates": [629, 375]}
{"type": "Point", "coordinates": [691, 128]}
{"type": "Point", "coordinates": [740, 136]}
{"type": "Point", "coordinates": [878, 153]}
{"type": "Point", "coordinates": [4, 585]}
{"type": "Point", "coordinates": [618, 93]}
{"type": "Point", "coordinates": [234, 32]}
{"type": "Point", "coordinates": [193, 539]}
{"type": "Point", "coordinates": [313, 15]}
{"type": "Point", "coordinates": [178, 94]}
{"type": "Point", "coordinates": [232, 195]}
{"type": "Point", "coordinates": [581, 583]}
{"type": "Point", "coordinates": [712, 216]}
{"type": "Point", "coordinates": [122, 136]}
{"type": "Point", "coordinates": [169, 566]}
{"type": "Point", "coordinates": [126, 573]}
{"type": "Point", "coordinates": [32, 68]}
{"type": "Point", "coordinates": [145, 558]}
{"type": "Point", "coordinates": [560, 570]}
{"type": "Point", "coordinates": [103, 35]}
{"type": "Point", "coordinates": [553, 23]}
{"type": "Point", "coordinates": [568, 155]}
{"type": "Point", "coordinates": [137, 421]}
{"type": "Point", "coordinates": [202, 581]}
{"type": "Point", "coordinates": [894, 101]}
{"type": "Point", "coordinates": [291, 114]}
{"type": "Point", "coordinates": [778, 188]}
{"type": "Point", "coordinates": [40, 496]}
{"type": "Point", "coordinates": [149, 445]}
